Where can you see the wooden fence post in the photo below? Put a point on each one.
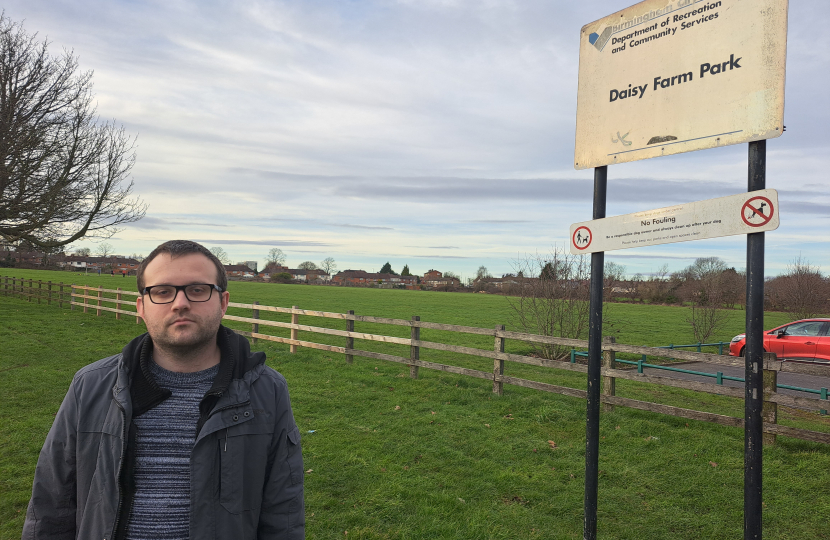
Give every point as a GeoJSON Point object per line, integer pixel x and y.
{"type": "Point", "coordinates": [769, 410]}
{"type": "Point", "coordinates": [39, 290]}
{"type": "Point", "coordinates": [414, 350]}
{"type": "Point", "coordinates": [609, 384]}
{"type": "Point", "coordinates": [31, 288]}
{"type": "Point", "coordinates": [49, 293]}
{"type": "Point", "coordinates": [349, 340]}
{"type": "Point", "coordinates": [71, 296]}
{"type": "Point", "coordinates": [100, 294]}
{"type": "Point", "coordinates": [118, 303]}
{"type": "Point", "coordinates": [295, 334]}
{"type": "Point", "coordinates": [84, 291]}
{"type": "Point", "coordinates": [60, 295]}
{"type": "Point", "coordinates": [498, 365]}
{"type": "Point", "coordinates": [255, 326]}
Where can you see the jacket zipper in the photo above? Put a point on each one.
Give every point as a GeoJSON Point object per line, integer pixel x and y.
{"type": "Point", "coordinates": [120, 468]}
{"type": "Point", "coordinates": [226, 407]}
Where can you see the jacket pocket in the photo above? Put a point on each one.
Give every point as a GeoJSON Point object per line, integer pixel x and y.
{"type": "Point", "coordinates": [295, 456]}
{"type": "Point", "coordinates": [243, 458]}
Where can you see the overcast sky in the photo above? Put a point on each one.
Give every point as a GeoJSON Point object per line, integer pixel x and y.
{"type": "Point", "coordinates": [433, 133]}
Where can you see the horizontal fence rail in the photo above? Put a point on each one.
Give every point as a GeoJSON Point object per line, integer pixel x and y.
{"type": "Point", "coordinates": [116, 300]}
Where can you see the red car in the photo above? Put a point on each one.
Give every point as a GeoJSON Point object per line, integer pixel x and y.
{"type": "Point", "coordinates": [807, 340]}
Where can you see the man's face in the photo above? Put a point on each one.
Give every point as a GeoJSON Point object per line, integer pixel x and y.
{"type": "Point", "coordinates": [182, 324]}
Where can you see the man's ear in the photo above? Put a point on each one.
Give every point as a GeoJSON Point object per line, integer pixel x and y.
{"type": "Point", "coordinates": [139, 306]}
{"type": "Point", "coordinates": [225, 299]}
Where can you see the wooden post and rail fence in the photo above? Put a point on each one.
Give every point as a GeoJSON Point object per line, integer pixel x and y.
{"type": "Point", "coordinates": [87, 298]}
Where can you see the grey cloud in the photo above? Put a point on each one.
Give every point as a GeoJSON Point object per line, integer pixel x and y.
{"type": "Point", "coordinates": [440, 257]}
{"type": "Point", "coordinates": [264, 242]}
{"type": "Point", "coordinates": [496, 221]}
{"type": "Point", "coordinates": [803, 207]}
{"type": "Point", "coordinates": [348, 226]}
{"type": "Point", "coordinates": [439, 189]}
{"type": "Point", "coordinates": [149, 222]}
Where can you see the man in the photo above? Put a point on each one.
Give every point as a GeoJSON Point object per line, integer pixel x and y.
{"type": "Point", "coordinates": [185, 434]}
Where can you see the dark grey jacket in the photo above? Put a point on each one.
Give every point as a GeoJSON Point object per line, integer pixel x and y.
{"type": "Point", "coordinates": [246, 469]}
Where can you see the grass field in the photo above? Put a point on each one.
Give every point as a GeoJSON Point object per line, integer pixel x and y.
{"type": "Point", "coordinates": [454, 460]}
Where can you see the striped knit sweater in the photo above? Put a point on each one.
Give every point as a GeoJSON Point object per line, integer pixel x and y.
{"type": "Point", "coordinates": [164, 440]}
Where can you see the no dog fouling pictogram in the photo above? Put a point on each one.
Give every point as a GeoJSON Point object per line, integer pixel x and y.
{"type": "Point", "coordinates": [757, 211]}
{"type": "Point", "coordinates": [581, 238]}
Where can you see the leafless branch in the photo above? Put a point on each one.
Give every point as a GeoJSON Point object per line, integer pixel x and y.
{"type": "Point", "coordinates": [64, 175]}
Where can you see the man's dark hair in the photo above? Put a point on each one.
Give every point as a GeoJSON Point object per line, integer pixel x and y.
{"type": "Point", "coordinates": [177, 248]}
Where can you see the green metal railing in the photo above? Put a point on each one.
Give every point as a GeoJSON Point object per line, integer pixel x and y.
{"type": "Point", "coordinates": [719, 376]}
{"type": "Point", "coordinates": [697, 346]}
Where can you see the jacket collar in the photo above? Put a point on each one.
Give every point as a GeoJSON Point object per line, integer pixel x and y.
{"type": "Point", "coordinates": [145, 393]}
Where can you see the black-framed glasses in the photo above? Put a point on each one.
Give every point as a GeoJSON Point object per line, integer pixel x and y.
{"type": "Point", "coordinates": [195, 292]}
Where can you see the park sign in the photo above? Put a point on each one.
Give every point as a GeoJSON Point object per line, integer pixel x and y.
{"type": "Point", "coordinates": [669, 76]}
{"type": "Point", "coordinates": [753, 212]}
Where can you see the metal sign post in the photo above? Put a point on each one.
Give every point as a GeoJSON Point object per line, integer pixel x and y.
{"type": "Point", "coordinates": [753, 399]}
{"type": "Point", "coordinates": [594, 360]}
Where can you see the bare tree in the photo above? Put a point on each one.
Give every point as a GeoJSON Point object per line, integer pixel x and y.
{"type": "Point", "coordinates": [104, 249]}
{"type": "Point", "coordinates": [307, 265]}
{"type": "Point", "coordinates": [660, 288]}
{"type": "Point", "coordinates": [275, 257]}
{"type": "Point", "coordinates": [64, 174]}
{"type": "Point", "coordinates": [552, 298]}
{"type": "Point", "coordinates": [83, 252]}
{"type": "Point", "coordinates": [328, 265]}
{"type": "Point", "coordinates": [614, 275]}
{"type": "Point", "coordinates": [734, 288]}
{"type": "Point", "coordinates": [221, 254]}
{"type": "Point", "coordinates": [482, 272]}
{"type": "Point", "coordinates": [706, 287]}
{"type": "Point", "coordinates": [802, 291]}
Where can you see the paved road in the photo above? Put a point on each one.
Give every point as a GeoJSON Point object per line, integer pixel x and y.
{"type": "Point", "coordinates": [791, 379]}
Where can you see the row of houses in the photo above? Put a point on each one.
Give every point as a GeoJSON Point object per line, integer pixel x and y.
{"type": "Point", "coordinates": [433, 279]}
{"type": "Point", "coordinates": [114, 263]}
{"type": "Point", "coordinates": [297, 274]}
{"type": "Point", "coordinates": [362, 278]}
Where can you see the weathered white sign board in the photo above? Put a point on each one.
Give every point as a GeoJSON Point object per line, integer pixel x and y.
{"type": "Point", "coordinates": [669, 76]}
{"type": "Point", "coordinates": [756, 211]}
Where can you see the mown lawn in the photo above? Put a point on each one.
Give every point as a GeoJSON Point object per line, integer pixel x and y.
{"type": "Point", "coordinates": [441, 456]}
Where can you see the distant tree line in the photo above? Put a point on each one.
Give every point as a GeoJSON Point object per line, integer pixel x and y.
{"type": "Point", "coordinates": [549, 294]}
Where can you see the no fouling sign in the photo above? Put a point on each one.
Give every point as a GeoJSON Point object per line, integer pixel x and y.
{"type": "Point", "coordinates": [745, 213]}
